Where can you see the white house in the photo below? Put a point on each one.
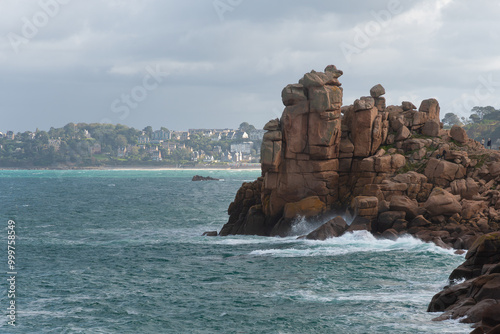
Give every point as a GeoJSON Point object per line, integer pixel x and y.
{"type": "Point", "coordinates": [245, 148]}
{"type": "Point", "coordinates": [257, 134]}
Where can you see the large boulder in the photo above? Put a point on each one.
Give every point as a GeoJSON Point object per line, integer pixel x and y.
{"type": "Point", "coordinates": [308, 207]}
{"type": "Point", "coordinates": [294, 121]}
{"type": "Point", "coordinates": [431, 128]}
{"type": "Point", "coordinates": [406, 105]}
{"type": "Point", "coordinates": [403, 203]}
{"type": "Point", "coordinates": [364, 103]}
{"type": "Point", "coordinates": [319, 79]}
{"type": "Point", "coordinates": [442, 172]}
{"type": "Point", "coordinates": [442, 203]}
{"type": "Point", "coordinates": [387, 219]}
{"type": "Point", "coordinates": [458, 133]}
{"type": "Point", "coordinates": [272, 125]}
{"type": "Point", "coordinates": [431, 107]}
{"type": "Point", "coordinates": [402, 134]}
{"type": "Point", "coordinates": [472, 208]}
{"type": "Point", "coordinates": [377, 91]}
{"type": "Point", "coordinates": [333, 228]}
{"type": "Point", "coordinates": [325, 98]}
{"type": "Point", "coordinates": [270, 156]}
{"type": "Point", "coordinates": [365, 206]}
{"type": "Point", "coordinates": [362, 129]}
{"type": "Point", "coordinates": [334, 71]}
{"type": "Point", "coordinates": [466, 188]}
{"type": "Point", "coordinates": [293, 94]}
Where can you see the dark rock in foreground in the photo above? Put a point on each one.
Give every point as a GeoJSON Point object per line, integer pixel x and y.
{"type": "Point", "coordinates": [477, 300]}
{"type": "Point", "coordinates": [210, 234]}
{"type": "Point", "coordinates": [203, 178]}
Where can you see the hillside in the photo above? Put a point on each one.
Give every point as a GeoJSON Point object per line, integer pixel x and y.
{"type": "Point", "coordinates": [483, 123]}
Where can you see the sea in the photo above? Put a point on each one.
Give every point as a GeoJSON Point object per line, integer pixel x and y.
{"type": "Point", "coordinates": [122, 251]}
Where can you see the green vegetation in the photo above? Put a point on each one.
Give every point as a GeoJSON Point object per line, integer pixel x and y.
{"type": "Point", "coordinates": [94, 145]}
{"type": "Point", "coordinates": [483, 123]}
{"type": "Point", "coordinates": [417, 166]}
{"type": "Point", "coordinates": [481, 159]}
{"type": "Point", "coordinates": [420, 136]}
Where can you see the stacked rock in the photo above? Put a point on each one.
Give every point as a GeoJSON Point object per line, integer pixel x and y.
{"type": "Point", "coordinates": [392, 166]}
{"type": "Point", "coordinates": [300, 152]}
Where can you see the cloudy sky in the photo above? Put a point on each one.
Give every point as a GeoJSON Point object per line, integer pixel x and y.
{"type": "Point", "coordinates": [217, 63]}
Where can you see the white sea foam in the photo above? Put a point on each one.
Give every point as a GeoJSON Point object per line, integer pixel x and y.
{"type": "Point", "coordinates": [249, 240]}
{"type": "Point", "coordinates": [293, 252]}
{"type": "Point", "coordinates": [352, 242]}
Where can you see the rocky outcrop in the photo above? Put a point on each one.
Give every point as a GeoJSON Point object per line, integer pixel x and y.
{"type": "Point", "coordinates": [300, 151]}
{"type": "Point", "coordinates": [245, 213]}
{"type": "Point", "coordinates": [392, 166]}
{"type": "Point", "coordinates": [477, 300]}
{"type": "Point", "coordinates": [394, 170]}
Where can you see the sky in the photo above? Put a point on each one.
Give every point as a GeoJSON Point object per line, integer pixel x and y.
{"type": "Point", "coordinates": [218, 63]}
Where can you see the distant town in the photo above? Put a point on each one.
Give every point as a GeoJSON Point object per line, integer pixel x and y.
{"type": "Point", "coordinates": [106, 145]}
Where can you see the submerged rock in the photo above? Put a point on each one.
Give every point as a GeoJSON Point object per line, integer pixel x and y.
{"type": "Point", "coordinates": [203, 178]}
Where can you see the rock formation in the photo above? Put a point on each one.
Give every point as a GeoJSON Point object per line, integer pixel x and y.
{"type": "Point", "coordinates": [394, 169]}
{"type": "Point", "coordinates": [477, 300]}
{"type": "Point", "coordinates": [392, 165]}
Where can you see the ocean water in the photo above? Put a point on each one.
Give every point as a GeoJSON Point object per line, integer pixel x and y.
{"type": "Point", "coordinates": [122, 252]}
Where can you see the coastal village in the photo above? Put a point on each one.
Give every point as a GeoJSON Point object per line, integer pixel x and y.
{"type": "Point", "coordinates": [104, 144]}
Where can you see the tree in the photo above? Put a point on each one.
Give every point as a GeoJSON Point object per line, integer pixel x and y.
{"type": "Point", "coordinates": [475, 118]}
{"type": "Point", "coordinates": [69, 130]}
{"type": "Point", "coordinates": [149, 130]}
{"type": "Point", "coordinates": [246, 127]}
{"type": "Point", "coordinates": [451, 119]}
{"type": "Point", "coordinates": [121, 140]}
{"type": "Point", "coordinates": [482, 111]}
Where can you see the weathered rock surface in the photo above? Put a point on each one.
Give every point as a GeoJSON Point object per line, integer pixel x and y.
{"type": "Point", "coordinates": [351, 157]}
{"type": "Point", "coordinates": [393, 168]}
{"type": "Point", "coordinates": [458, 133]}
{"type": "Point", "coordinates": [332, 228]}
{"type": "Point", "coordinates": [477, 300]}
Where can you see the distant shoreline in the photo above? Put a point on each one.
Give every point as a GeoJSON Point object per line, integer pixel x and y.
{"type": "Point", "coordinates": [137, 168]}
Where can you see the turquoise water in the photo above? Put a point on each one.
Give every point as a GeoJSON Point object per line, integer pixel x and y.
{"type": "Point", "coordinates": [122, 252]}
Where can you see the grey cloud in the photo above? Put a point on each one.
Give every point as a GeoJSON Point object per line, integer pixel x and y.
{"type": "Point", "coordinates": [224, 72]}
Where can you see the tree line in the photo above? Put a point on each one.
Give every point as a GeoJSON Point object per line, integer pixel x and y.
{"type": "Point", "coordinates": [75, 145]}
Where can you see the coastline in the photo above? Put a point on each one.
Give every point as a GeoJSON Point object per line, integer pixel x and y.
{"type": "Point", "coordinates": [137, 168]}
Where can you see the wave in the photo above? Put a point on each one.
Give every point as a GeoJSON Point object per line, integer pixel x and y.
{"type": "Point", "coordinates": [352, 242]}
